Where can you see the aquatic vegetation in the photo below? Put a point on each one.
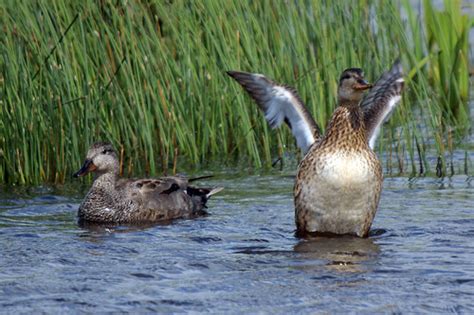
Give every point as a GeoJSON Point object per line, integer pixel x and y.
{"type": "Point", "coordinates": [440, 56]}
{"type": "Point", "coordinates": [150, 76]}
{"type": "Point", "coordinates": [447, 37]}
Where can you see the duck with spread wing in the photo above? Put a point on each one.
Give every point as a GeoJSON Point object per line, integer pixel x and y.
{"type": "Point", "coordinates": [339, 180]}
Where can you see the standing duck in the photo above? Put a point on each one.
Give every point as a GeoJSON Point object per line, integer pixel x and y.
{"type": "Point", "coordinates": [117, 201]}
{"type": "Point", "coordinates": [339, 180]}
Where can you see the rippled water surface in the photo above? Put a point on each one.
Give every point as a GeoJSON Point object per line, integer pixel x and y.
{"type": "Point", "coordinates": [243, 257]}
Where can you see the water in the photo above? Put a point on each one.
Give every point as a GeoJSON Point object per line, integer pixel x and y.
{"type": "Point", "coordinates": [243, 257]}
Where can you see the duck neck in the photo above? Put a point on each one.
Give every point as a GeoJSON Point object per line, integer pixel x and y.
{"type": "Point", "coordinates": [354, 114]}
{"type": "Point", "coordinates": [105, 180]}
{"type": "Point", "coordinates": [99, 205]}
{"type": "Point", "coordinates": [346, 127]}
{"type": "Point", "coordinates": [348, 102]}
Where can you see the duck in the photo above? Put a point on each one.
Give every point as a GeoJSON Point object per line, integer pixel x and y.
{"type": "Point", "coordinates": [115, 200]}
{"type": "Point", "coordinates": [339, 180]}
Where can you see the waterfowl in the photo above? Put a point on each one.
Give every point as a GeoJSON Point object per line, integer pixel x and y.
{"type": "Point", "coordinates": [112, 199]}
{"type": "Point", "coordinates": [339, 180]}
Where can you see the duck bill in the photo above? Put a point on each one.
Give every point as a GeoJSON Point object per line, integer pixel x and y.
{"type": "Point", "coordinates": [86, 168]}
{"type": "Point", "coordinates": [362, 85]}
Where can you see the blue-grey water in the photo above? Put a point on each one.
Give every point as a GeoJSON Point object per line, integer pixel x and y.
{"type": "Point", "coordinates": [243, 257]}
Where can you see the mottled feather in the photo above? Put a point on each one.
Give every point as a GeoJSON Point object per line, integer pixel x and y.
{"type": "Point", "coordinates": [339, 181]}
{"type": "Point", "coordinates": [116, 200]}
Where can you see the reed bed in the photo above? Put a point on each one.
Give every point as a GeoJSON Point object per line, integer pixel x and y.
{"type": "Point", "coordinates": [149, 76]}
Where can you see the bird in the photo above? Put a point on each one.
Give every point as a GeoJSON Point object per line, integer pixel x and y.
{"type": "Point", "coordinates": [115, 200]}
{"type": "Point", "coordinates": [339, 180]}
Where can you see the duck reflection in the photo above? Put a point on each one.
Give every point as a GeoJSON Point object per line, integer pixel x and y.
{"type": "Point", "coordinates": [338, 253]}
{"type": "Point", "coordinates": [119, 228]}
{"type": "Point", "coordinates": [98, 232]}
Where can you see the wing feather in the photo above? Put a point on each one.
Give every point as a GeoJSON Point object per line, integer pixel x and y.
{"type": "Point", "coordinates": [280, 104]}
{"type": "Point", "coordinates": [381, 100]}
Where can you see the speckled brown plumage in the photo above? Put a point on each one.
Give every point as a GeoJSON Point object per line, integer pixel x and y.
{"type": "Point", "coordinates": [321, 204]}
{"type": "Point", "coordinates": [338, 184]}
{"type": "Point", "coordinates": [115, 200]}
{"type": "Point", "coordinates": [339, 181]}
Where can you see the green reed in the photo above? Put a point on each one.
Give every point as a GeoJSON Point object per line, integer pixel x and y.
{"type": "Point", "coordinates": [448, 41]}
{"type": "Point", "coordinates": [149, 76]}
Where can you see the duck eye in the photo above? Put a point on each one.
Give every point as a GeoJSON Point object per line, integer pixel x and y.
{"type": "Point", "coordinates": [105, 151]}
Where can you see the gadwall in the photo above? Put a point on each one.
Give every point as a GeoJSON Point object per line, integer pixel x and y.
{"type": "Point", "coordinates": [339, 180]}
{"type": "Point", "coordinates": [115, 200]}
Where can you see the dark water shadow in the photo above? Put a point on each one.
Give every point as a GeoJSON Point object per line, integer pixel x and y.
{"type": "Point", "coordinates": [329, 252]}
{"type": "Point", "coordinates": [98, 232]}
{"type": "Point", "coordinates": [101, 228]}
{"type": "Point", "coordinates": [338, 253]}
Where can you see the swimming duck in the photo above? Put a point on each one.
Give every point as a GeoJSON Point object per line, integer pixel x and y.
{"type": "Point", "coordinates": [339, 180]}
{"type": "Point", "coordinates": [115, 200]}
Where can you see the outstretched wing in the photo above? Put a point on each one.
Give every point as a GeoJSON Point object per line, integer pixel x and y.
{"type": "Point", "coordinates": [381, 100]}
{"type": "Point", "coordinates": [280, 103]}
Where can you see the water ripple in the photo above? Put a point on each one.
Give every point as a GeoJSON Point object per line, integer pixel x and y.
{"type": "Point", "coordinates": [243, 257]}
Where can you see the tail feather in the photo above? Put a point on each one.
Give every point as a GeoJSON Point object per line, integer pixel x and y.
{"type": "Point", "coordinates": [199, 178]}
{"type": "Point", "coordinates": [214, 191]}
{"type": "Point", "coordinates": [200, 196]}
{"type": "Point", "coordinates": [204, 193]}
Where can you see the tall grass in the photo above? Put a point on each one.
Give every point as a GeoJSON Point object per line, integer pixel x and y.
{"type": "Point", "coordinates": [441, 59]}
{"type": "Point", "coordinates": [149, 76]}
{"type": "Point", "coordinates": [447, 41]}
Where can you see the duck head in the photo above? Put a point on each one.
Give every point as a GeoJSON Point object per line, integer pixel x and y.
{"type": "Point", "coordinates": [352, 86]}
{"type": "Point", "coordinates": [101, 158]}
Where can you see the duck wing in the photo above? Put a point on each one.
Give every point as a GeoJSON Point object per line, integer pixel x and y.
{"type": "Point", "coordinates": [154, 186]}
{"type": "Point", "coordinates": [166, 198]}
{"type": "Point", "coordinates": [381, 100]}
{"type": "Point", "coordinates": [280, 103]}
{"type": "Point", "coordinates": [158, 199]}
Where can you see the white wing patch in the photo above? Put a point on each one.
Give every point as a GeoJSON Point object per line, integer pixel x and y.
{"type": "Point", "coordinates": [381, 101]}
{"type": "Point", "coordinates": [275, 113]}
{"type": "Point", "coordinates": [280, 104]}
{"type": "Point", "coordinates": [386, 115]}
